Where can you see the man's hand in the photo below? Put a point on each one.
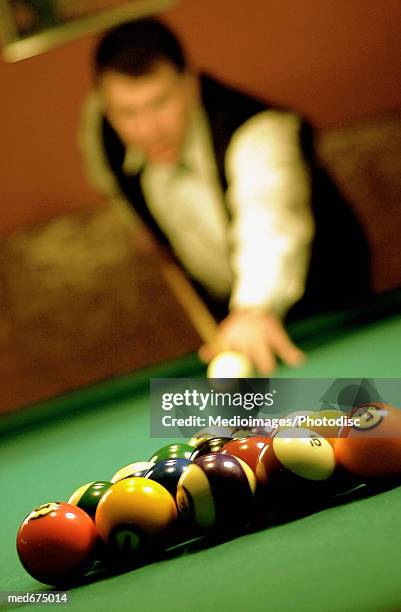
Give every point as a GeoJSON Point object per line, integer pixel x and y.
{"type": "Point", "coordinates": [258, 335]}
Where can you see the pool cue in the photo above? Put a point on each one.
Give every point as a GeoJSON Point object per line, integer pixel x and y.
{"type": "Point", "coordinates": [194, 307]}
{"type": "Point", "coordinates": [192, 304]}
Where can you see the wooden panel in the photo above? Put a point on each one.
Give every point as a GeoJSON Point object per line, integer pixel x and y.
{"type": "Point", "coordinates": [80, 304]}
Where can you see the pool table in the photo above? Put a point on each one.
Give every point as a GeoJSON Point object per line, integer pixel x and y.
{"type": "Point", "coordinates": [342, 557]}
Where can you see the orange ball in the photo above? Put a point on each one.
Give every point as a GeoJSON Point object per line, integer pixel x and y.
{"type": "Point", "coordinates": [371, 449]}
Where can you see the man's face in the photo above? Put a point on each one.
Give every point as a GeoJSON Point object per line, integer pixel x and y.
{"type": "Point", "coordinates": [150, 112]}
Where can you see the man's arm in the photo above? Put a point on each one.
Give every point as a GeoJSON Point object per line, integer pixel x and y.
{"type": "Point", "coordinates": [271, 232]}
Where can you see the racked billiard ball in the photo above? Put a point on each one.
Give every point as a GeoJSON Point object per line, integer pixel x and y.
{"type": "Point", "coordinates": [56, 543]}
{"type": "Point", "coordinates": [168, 472]}
{"type": "Point", "coordinates": [138, 468]}
{"type": "Point", "coordinates": [326, 422]}
{"type": "Point", "coordinates": [294, 469]}
{"type": "Point", "coordinates": [211, 432]}
{"type": "Point", "coordinates": [135, 515]}
{"type": "Point", "coordinates": [216, 493]}
{"type": "Point", "coordinates": [212, 445]}
{"type": "Point", "coordinates": [372, 447]}
{"type": "Point", "coordinates": [196, 440]}
{"type": "Point", "coordinates": [247, 449]}
{"type": "Point", "coordinates": [88, 496]}
{"type": "Point", "coordinates": [172, 451]}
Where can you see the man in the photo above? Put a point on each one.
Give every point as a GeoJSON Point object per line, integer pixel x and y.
{"type": "Point", "coordinates": [218, 176]}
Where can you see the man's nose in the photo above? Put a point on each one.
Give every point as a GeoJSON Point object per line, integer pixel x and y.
{"type": "Point", "coordinates": [146, 125]}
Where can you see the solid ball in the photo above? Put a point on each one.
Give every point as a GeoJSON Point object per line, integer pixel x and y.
{"type": "Point", "coordinates": [247, 449]}
{"type": "Point", "coordinates": [135, 515]}
{"type": "Point", "coordinates": [216, 493]}
{"type": "Point", "coordinates": [138, 468]}
{"type": "Point", "coordinates": [168, 473]}
{"type": "Point", "coordinates": [213, 445]}
{"type": "Point", "coordinates": [172, 451]}
{"type": "Point", "coordinates": [88, 496]}
{"type": "Point", "coordinates": [371, 449]}
{"type": "Point", "coordinates": [230, 364]}
{"type": "Point", "coordinates": [56, 543]}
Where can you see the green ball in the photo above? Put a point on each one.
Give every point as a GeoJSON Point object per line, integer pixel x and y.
{"type": "Point", "coordinates": [172, 451]}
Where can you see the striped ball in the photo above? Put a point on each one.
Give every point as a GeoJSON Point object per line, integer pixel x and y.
{"type": "Point", "coordinates": [216, 492]}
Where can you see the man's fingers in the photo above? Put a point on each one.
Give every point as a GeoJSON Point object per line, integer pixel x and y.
{"type": "Point", "coordinates": [263, 359]}
{"type": "Point", "coordinates": [286, 349]}
{"type": "Point", "coordinates": [207, 352]}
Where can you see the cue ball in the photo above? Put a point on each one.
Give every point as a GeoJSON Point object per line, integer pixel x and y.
{"type": "Point", "coordinates": [230, 364]}
{"type": "Point", "coordinates": [56, 543]}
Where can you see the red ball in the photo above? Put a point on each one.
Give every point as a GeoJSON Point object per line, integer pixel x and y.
{"type": "Point", "coordinates": [56, 543]}
{"type": "Point", "coordinates": [247, 449]}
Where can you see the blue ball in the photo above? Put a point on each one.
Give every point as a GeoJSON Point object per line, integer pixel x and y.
{"type": "Point", "coordinates": [168, 473]}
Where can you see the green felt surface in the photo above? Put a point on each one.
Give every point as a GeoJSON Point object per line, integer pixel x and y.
{"type": "Point", "coordinates": [346, 557]}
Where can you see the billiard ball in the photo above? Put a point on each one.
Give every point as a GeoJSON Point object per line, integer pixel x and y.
{"type": "Point", "coordinates": [211, 432]}
{"type": "Point", "coordinates": [197, 439]}
{"type": "Point", "coordinates": [230, 364]}
{"type": "Point", "coordinates": [138, 468]}
{"type": "Point", "coordinates": [168, 472]}
{"type": "Point", "coordinates": [327, 423]}
{"type": "Point", "coordinates": [88, 496]}
{"type": "Point", "coordinates": [371, 448]}
{"type": "Point", "coordinates": [135, 515]}
{"type": "Point", "coordinates": [247, 449]}
{"type": "Point", "coordinates": [172, 451]}
{"type": "Point", "coordinates": [216, 494]}
{"type": "Point", "coordinates": [294, 468]}
{"type": "Point", "coordinates": [264, 430]}
{"type": "Point", "coordinates": [293, 419]}
{"type": "Point", "coordinates": [56, 543]}
{"type": "Point", "coordinates": [213, 445]}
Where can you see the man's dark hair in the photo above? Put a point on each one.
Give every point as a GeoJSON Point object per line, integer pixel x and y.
{"type": "Point", "coordinates": [136, 47]}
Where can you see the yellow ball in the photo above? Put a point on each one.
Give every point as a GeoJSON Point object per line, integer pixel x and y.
{"type": "Point", "coordinates": [134, 514]}
{"type": "Point", "coordinates": [230, 364]}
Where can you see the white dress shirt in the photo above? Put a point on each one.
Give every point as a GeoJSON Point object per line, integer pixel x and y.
{"type": "Point", "coordinates": [259, 258]}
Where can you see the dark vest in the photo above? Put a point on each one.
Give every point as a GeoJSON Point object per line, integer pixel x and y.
{"type": "Point", "coordinates": [333, 279]}
{"type": "Point", "coordinates": [226, 108]}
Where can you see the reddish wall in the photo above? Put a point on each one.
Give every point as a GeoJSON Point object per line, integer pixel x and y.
{"type": "Point", "coordinates": [332, 60]}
